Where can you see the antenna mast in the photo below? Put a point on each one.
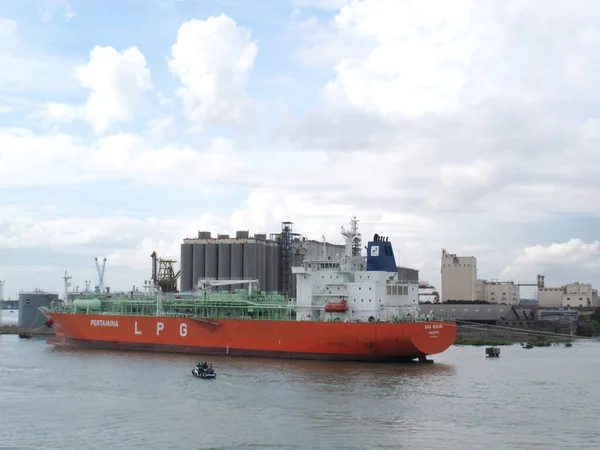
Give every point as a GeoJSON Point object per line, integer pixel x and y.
{"type": "Point", "coordinates": [66, 278]}
{"type": "Point", "coordinates": [100, 275]}
{"type": "Point", "coordinates": [353, 238]}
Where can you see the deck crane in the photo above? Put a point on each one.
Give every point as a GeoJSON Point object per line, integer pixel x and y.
{"type": "Point", "coordinates": [100, 287]}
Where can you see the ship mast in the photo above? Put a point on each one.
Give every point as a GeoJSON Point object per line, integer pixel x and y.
{"type": "Point", "coordinates": [352, 237]}
{"type": "Point", "coordinates": [66, 278]}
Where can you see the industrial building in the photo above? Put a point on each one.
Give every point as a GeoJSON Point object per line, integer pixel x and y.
{"type": "Point", "coordinates": [266, 259]}
{"type": "Point", "coordinates": [572, 295]}
{"type": "Point", "coordinates": [484, 314]}
{"type": "Point", "coordinates": [460, 283]}
{"type": "Point", "coordinates": [504, 292]}
{"type": "Point", "coordinates": [459, 274]}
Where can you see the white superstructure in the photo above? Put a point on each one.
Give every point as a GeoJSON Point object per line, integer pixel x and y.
{"type": "Point", "coordinates": [354, 287]}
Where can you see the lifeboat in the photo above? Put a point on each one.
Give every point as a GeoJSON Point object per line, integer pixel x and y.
{"type": "Point", "coordinates": [336, 307]}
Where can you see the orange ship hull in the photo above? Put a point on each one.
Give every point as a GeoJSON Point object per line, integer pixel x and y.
{"type": "Point", "coordinates": [267, 338]}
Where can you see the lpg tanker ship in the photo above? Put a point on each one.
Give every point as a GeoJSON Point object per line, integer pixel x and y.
{"type": "Point", "coordinates": [351, 307]}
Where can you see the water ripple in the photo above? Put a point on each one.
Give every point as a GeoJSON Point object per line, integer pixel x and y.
{"type": "Point", "coordinates": [540, 398]}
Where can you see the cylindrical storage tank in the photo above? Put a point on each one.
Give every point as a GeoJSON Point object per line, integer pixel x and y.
{"type": "Point", "coordinates": [211, 259]}
{"type": "Point", "coordinates": [260, 236]}
{"type": "Point", "coordinates": [224, 264]}
{"type": "Point", "coordinates": [199, 265]}
{"type": "Point", "coordinates": [277, 268]}
{"type": "Point", "coordinates": [269, 268]}
{"type": "Point", "coordinates": [222, 236]}
{"type": "Point", "coordinates": [30, 317]}
{"type": "Point", "coordinates": [87, 305]}
{"type": "Point", "coordinates": [237, 262]}
{"type": "Point", "coordinates": [187, 264]}
{"type": "Point", "coordinates": [262, 265]}
{"type": "Point", "coordinates": [242, 234]}
{"type": "Point", "coordinates": [204, 235]}
{"type": "Point", "coordinates": [250, 260]}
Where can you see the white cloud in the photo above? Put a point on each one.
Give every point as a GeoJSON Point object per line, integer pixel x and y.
{"type": "Point", "coordinates": [560, 262]}
{"type": "Point", "coordinates": [7, 27]}
{"type": "Point", "coordinates": [325, 4]}
{"type": "Point", "coordinates": [30, 160]}
{"type": "Point", "coordinates": [462, 113]}
{"type": "Point", "coordinates": [212, 59]}
{"type": "Point", "coordinates": [27, 71]}
{"type": "Point", "coordinates": [60, 159]}
{"type": "Point", "coordinates": [159, 125]}
{"type": "Point", "coordinates": [438, 123]}
{"type": "Point", "coordinates": [117, 81]}
{"type": "Point", "coordinates": [49, 7]}
{"type": "Point", "coordinates": [575, 251]}
{"type": "Point", "coordinates": [5, 109]}
{"type": "Point", "coordinates": [61, 112]}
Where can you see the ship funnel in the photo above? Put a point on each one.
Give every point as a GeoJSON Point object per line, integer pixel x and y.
{"type": "Point", "coordinates": [380, 255]}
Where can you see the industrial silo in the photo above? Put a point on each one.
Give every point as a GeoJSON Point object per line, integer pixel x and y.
{"type": "Point", "coordinates": [277, 270]}
{"type": "Point", "coordinates": [250, 260]}
{"type": "Point", "coordinates": [237, 261]}
{"type": "Point", "coordinates": [186, 267]}
{"type": "Point", "coordinates": [271, 267]}
{"type": "Point", "coordinates": [198, 267]}
{"type": "Point", "coordinates": [211, 259]}
{"type": "Point", "coordinates": [262, 265]}
{"type": "Point", "coordinates": [30, 317]}
{"type": "Point", "coordinates": [224, 262]}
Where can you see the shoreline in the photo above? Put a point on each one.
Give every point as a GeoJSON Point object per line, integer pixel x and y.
{"type": "Point", "coordinates": [15, 329]}
{"type": "Point", "coordinates": [542, 341]}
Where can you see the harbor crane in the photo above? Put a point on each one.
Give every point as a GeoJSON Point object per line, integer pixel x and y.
{"type": "Point", "coordinates": [100, 287]}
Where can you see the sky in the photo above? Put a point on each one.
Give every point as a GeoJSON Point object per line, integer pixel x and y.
{"type": "Point", "coordinates": [126, 126]}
